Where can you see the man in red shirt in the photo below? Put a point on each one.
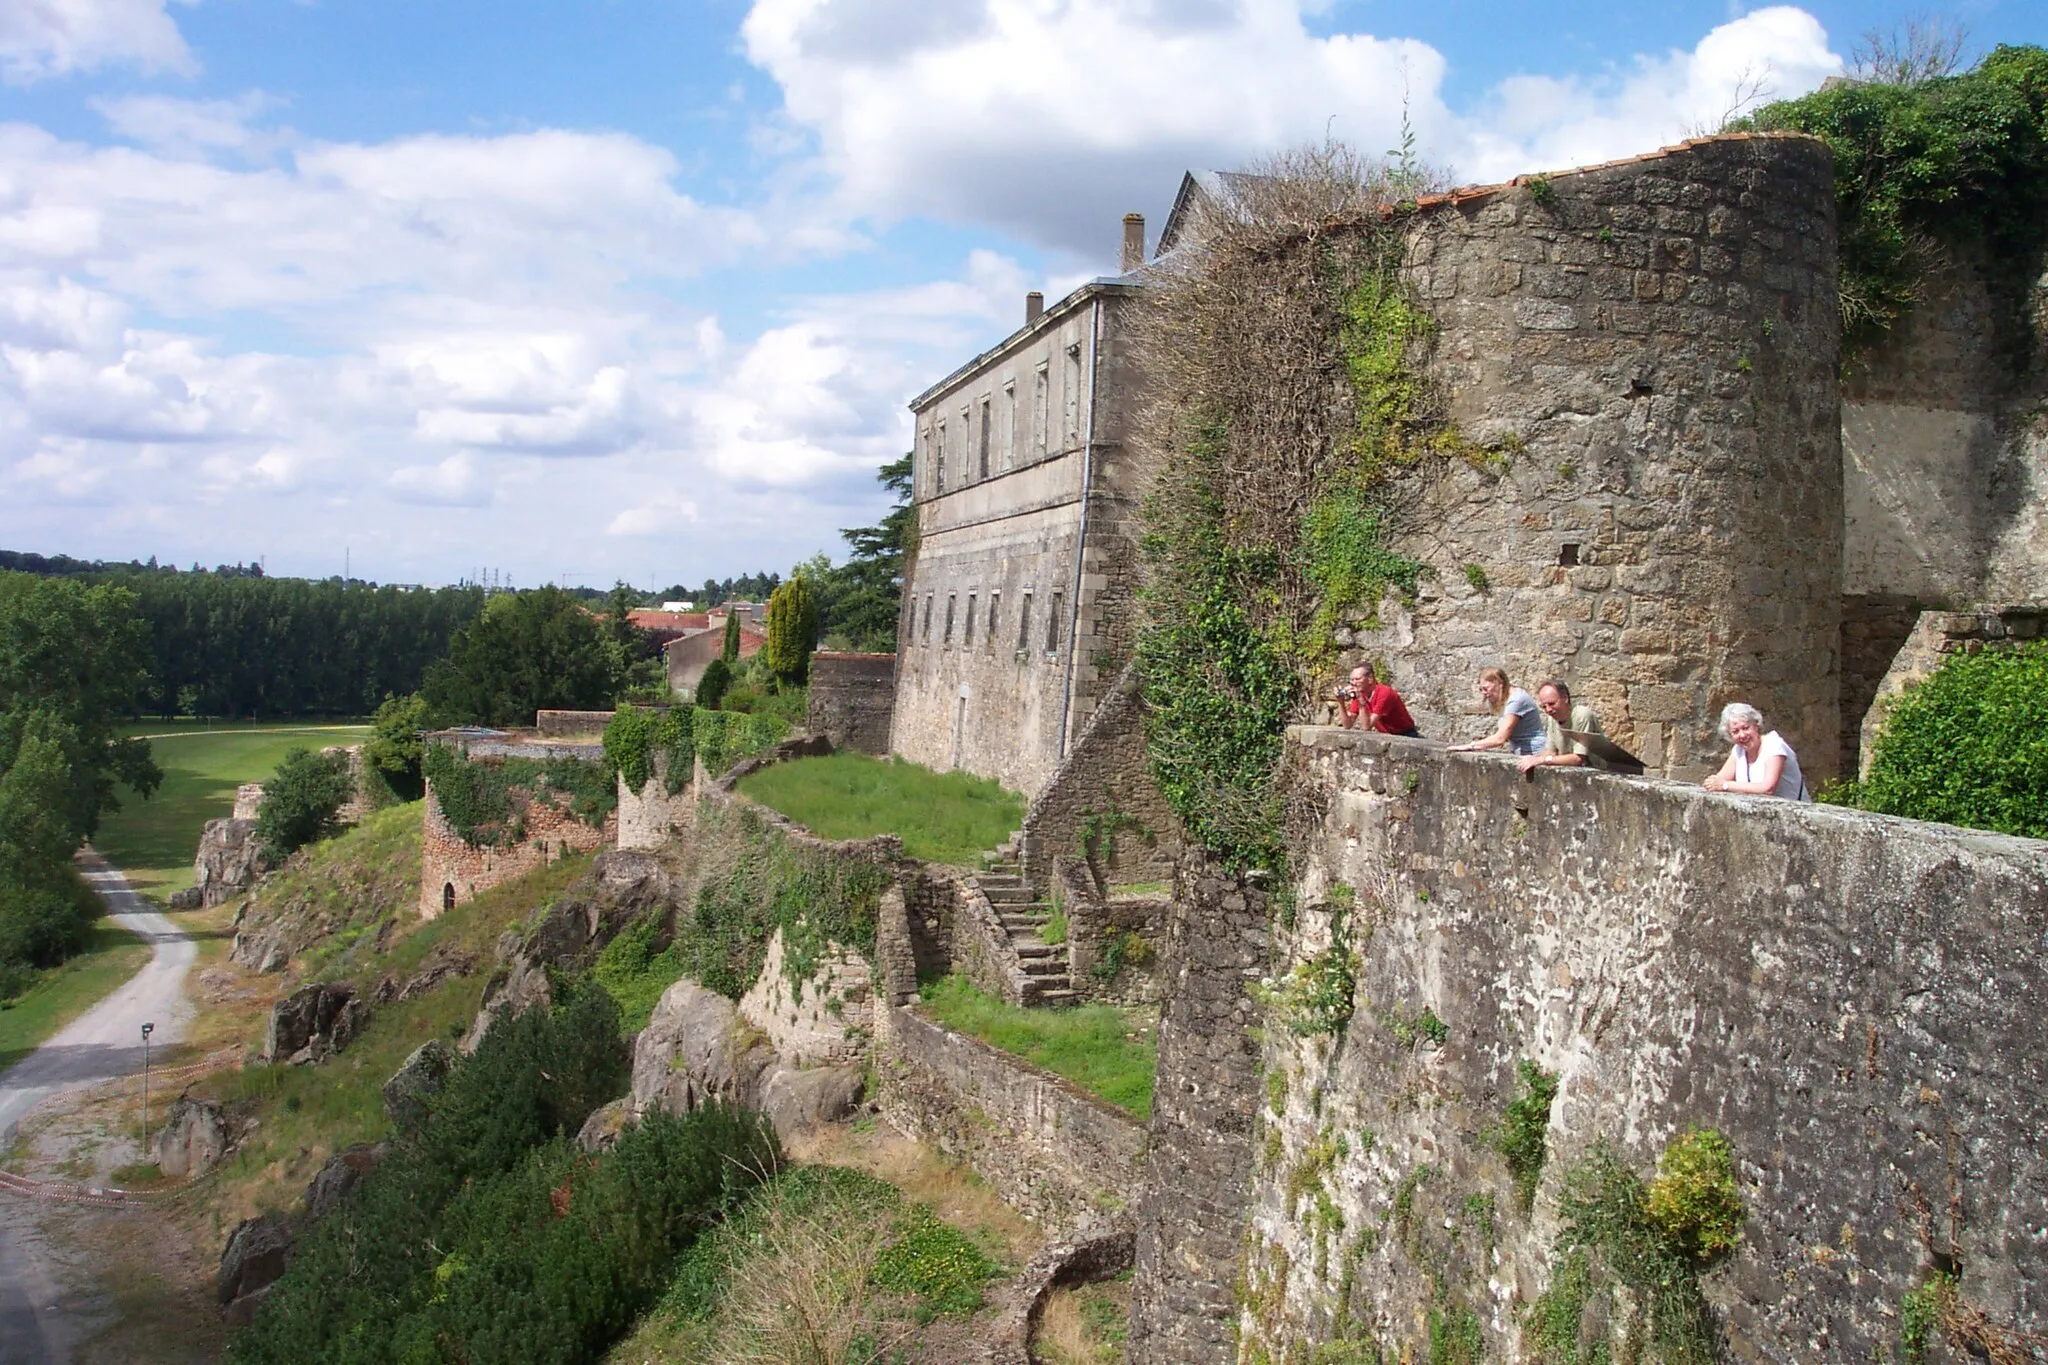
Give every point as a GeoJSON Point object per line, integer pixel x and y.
{"type": "Point", "coordinates": [1378, 706]}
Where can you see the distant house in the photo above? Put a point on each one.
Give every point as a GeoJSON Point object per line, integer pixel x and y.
{"type": "Point", "coordinates": [667, 626]}
{"type": "Point", "coordinates": [689, 655]}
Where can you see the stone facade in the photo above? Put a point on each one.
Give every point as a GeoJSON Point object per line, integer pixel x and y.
{"type": "Point", "coordinates": [823, 1021]}
{"type": "Point", "coordinates": [1849, 998]}
{"type": "Point", "coordinates": [1654, 343]}
{"type": "Point", "coordinates": [1016, 604]}
{"type": "Point", "coordinates": [1935, 636]}
{"type": "Point", "coordinates": [851, 699]}
{"type": "Point", "coordinates": [686, 657]}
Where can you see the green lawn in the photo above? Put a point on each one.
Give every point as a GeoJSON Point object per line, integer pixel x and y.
{"type": "Point", "coordinates": [1106, 1051]}
{"type": "Point", "coordinates": [111, 956]}
{"type": "Point", "coordinates": [942, 817]}
{"type": "Point", "coordinates": [153, 841]}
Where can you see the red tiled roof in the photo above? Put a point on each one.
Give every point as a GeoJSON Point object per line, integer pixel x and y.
{"type": "Point", "coordinates": [647, 618]}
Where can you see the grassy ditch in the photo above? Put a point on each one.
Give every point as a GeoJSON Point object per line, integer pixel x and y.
{"type": "Point", "coordinates": [153, 841]}
{"type": "Point", "coordinates": [941, 817]}
{"type": "Point", "coordinates": [111, 956]}
{"type": "Point", "coordinates": [1109, 1052]}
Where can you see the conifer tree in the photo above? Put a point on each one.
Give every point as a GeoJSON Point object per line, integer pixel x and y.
{"type": "Point", "coordinates": [792, 630]}
{"type": "Point", "coordinates": [732, 638]}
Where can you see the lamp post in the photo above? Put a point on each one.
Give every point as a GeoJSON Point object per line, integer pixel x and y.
{"type": "Point", "coordinates": [147, 1029]}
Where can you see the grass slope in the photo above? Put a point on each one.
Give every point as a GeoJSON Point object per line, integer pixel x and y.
{"type": "Point", "coordinates": [337, 895]}
{"type": "Point", "coordinates": [111, 956]}
{"type": "Point", "coordinates": [942, 817]}
{"type": "Point", "coordinates": [1106, 1051]}
{"type": "Point", "coordinates": [153, 841]}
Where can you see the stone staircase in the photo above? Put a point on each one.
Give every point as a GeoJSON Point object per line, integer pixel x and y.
{"type": "Point", "coordinates": [1023, 916]}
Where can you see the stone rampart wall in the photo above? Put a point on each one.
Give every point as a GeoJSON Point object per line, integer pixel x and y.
{"type": "Point", "coordinates": [567, 724]}
{"type": "Point", "coordinates": [1654, 343]}
{"type": "Point", "coordinates": [452, 871]}
{"type": "Point", "coordinates": [1107, 770]}
{"type": "Point", "coordinates": [649, 817]}
{"type": "Point", "coordinates": [1050, 1149]}
{"type": "Point", "coordinates": [851, 699]}
{"type": "Point", "coordinates": [1851, 999]}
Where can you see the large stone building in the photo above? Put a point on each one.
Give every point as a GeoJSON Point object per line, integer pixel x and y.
{"type": "Point", "coordinates": [1016, 609]}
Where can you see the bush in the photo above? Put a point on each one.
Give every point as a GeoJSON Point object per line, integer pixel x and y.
{"type": "Point", "coordinates": [394, 749]}
{"type": "Point", "coordinates": [1694, 1201]}
{"type": "Point", "coordinates": [301, 802]}
{"type": "Point", "coordinates": [712, 687]}
{"type": "Point", "coordinates": [1966, 746]}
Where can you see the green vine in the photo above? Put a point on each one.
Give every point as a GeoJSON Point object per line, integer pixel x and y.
{"type": "Point", "coordinates": [1953, 161]}
{"type": "Point", "coordinates": [485, 799]}
{"type": "Point", "coordinates": [635, 737]}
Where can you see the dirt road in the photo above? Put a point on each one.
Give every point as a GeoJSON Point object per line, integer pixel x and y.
{"type": "Point", "coordinates": [105, 1041]}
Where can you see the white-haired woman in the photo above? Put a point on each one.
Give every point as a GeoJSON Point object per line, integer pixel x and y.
{"type": "Point", "coordinates": [1759, 764]}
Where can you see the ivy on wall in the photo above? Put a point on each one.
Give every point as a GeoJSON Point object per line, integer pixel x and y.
{"type": "Point", "coordinates": [1952, 161]}
{"type": "Point", "coordinates": [634, 737]}
{"type": "Point", "coordinates": [485, 800]}
{"type": "Point", "coordinates": [1297, 416]}
{"type": "Point", "coordinates": [759, 882]}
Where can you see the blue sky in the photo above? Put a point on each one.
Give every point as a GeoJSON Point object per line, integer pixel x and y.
{"type": "Point", "coordinates": [637, 289]}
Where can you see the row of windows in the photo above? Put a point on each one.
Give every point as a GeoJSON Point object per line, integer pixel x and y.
{"type": "Point", "coordinates": [992, 626]}
{"type": "Point", "coordinates": [986, 437]}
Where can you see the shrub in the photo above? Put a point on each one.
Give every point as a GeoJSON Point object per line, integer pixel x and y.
{"type": "Point", "coordinates": [792, 630]}
{"type": "Point", "coordinates": [1694, 1201]}
{"type": "Point", "coordinates": [1523, 1134]}
{"type": "Point", "coordinates": [394, 749]}
{"type": "Point", "coordinates": [1966, 746]}
{"type": "Point", "coordinates": [712, 687]}
{"type": "Point", "coordinates": [301, 802]}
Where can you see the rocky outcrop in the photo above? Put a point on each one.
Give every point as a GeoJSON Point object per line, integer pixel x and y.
{"type": "Point", "coordinates": [229, 861]}
{"type": "Point", "coordinates": [696, 1049]}
{"type": "Point", "coordinates": [338, 1179]}
{"type": "Point", "coordinates": [192, 1140]}
{"type": "Point", "coordinates": [309, 1024]}
{"type": "Point", "coordinates": [601, 1130]}
{"type": "Point", "coordinates": [440, 964]}
{"type": "Point", "coordinates": [188, 899]}
{"type": "Point", "coordinates": [407, 1093]}
{"type": "Point", "coordinates": [257, 1253]}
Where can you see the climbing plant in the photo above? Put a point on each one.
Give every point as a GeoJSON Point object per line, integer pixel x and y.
{"type": "Point", "coordinates": [1295, 423]}
{"type": "Point", "coordinates": [485, 799]}
{"type": "Point", "coordinates": [1927, 164]}
{"type": "Point", "coordinates": [635, 737]}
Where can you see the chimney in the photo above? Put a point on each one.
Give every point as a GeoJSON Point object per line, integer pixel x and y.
{"type": "Point", "coordinates": [1034, 306]}
{"type": "Point", "coordinates": [1134, 242]}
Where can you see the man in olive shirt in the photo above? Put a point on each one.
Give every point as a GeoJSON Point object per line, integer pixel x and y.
{"type": "Point", "coordinates": [1559, 715]}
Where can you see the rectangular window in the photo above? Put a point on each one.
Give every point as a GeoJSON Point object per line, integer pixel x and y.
{"type": "Point", "coordinates": [1052, 625]}
{"type": "Point", "coordinates": [939, 459]}
{"type": "Point", "coordinates": [984, 438]}
{"type": "Point", "coordinates": [1040, 408]}
{"type": "Point", "coordinates": [928, 618]}
{"type": "Point", "coordinates": [1006, 425]}
{"type": "Point", "coordinates": [951, 599]}
{"type": "Point", "coordinates": [1024, 623]}
{"type": "Point", "coordinates": [1073, 396]}
{"type": "Point", "coordinates": [967, 631]}
{"type": "Point", "coordinates": [995, 609]}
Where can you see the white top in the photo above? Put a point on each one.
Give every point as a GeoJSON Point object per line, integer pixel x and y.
{"type": "Point", "coordinates": [1791, 782]}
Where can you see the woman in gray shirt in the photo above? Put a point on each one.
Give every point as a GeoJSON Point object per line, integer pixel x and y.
{"type": "Point", "coordinates": [1521, 721]}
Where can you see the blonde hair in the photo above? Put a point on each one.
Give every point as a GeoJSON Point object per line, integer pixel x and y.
{"type": "Point", "coordinates": [1498, 675]}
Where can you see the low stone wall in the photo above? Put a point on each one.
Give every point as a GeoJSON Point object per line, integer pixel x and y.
{"type": "Point", "coordinates": [453, 871]}
{"type": "Point", "coordinates": [1935, 636]}
{"type": "Point", "coordinates": [1050, 1149]}
{"type": "Point", "coordinates": [1106, 772]}
{"type": "Point", "coordinates": [825, 1020]}
{"type": "Point", "coordinates": [1112, 945]}
{"type": "Point", "coordinates": [1851, 999]}
{"type": "Point", "coordinates": [852, 699]}
{"type": "Point", "coordinates": [563, 724]}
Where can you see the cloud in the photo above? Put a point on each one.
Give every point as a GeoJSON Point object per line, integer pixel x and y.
{"type": "Point", "coordinates": [1053, 120]}
{"type": "Point", "coordinates": [658, 517]}
{"type": "Point", "coordinates": [43, 38]}
{"type": "Point", "coordinates": [454, 482]}
{"type": "Point", "coordinates": [196, 128]}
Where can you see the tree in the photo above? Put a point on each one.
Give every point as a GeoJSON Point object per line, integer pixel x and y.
{"type": "Point", "coordinates": [713, 685]}
{"type": "Point", "coordinates": [529, 651]}
{"type": "Point", "coordinates": [858, 602]}
{"type": "Point", "coordinates": [301, 802]}
{"type": "Point", "coordinates": [394, 749]}
{"type": "Point", "coordinates": [792, 630]}
{"type": "Point", "coordinates": [731, 652]}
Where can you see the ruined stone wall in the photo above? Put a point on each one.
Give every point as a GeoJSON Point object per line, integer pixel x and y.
{"type": "Point", "coordinates": [1051, 1150]}
{"type": "Point", "coordinates": [453, 871]}
{"type": "Point", "coordinates": [1851, 999]}
{"type": "Point", "coordinates": [1107, 770]}
{"type": "Point", "coordinates": [851, 699]}
{"type": "Point", "coordinates": [1654, 343]}
{"type": "Point", "coordinates": [651, 816]}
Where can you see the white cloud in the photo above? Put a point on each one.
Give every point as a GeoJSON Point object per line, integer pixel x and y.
{"type": "Point", "coordinates": [40, 38]}
{"type": "Point", "coordinates": [195, 128]}
{"type": "Point", "coordinates": [660, 516]}
{"type": "Point", "coordinates": [1054, 119]}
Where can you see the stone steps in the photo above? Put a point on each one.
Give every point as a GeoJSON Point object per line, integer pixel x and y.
{"type": "Point", "coordinates": [1023, 916]}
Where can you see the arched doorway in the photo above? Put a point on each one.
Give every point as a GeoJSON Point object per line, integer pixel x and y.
{"type": "Point", "coordinates": [447, 897]}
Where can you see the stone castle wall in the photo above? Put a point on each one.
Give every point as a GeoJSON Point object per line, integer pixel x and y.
{"type": "Point", "coordinates": [1655, 344]}
{"type": "Point", "coordinates": [851, 700]}
{"type": "Point", "coordinates": [1108, 769]}
{"type": "Point", "coordinates": [453, 871]}
{"type": "Point", "coordinates": [1849, 998]}
{"type": "Point", "coordinates": [648, 818]}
